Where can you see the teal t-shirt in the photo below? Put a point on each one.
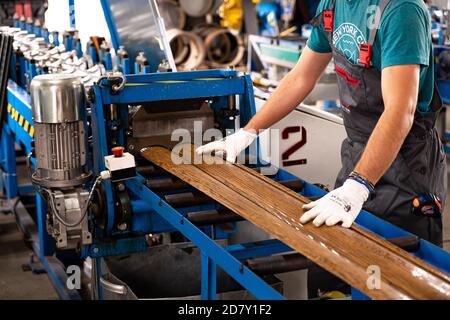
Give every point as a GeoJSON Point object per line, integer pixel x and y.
{"type": "Point", "coordinates": [404, 37]}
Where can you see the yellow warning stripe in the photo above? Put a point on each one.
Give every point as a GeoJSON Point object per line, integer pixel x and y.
{"type": "Point", "coordinates": [20, 120]}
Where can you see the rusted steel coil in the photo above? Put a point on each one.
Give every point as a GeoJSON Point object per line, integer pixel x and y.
{"type": "Point", "coordinates": [224, 47]}
{"type": "Point", "coordinates": [187, 49]}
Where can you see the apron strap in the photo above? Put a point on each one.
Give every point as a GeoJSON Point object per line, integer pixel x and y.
{"type": "Point", "coordinates": [365, 50]}
{"type": "Point", "coordinates": [326, 17]}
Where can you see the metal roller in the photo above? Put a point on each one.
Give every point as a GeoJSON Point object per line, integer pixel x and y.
{"type": "Point", "coordinates": [188, 199]}
{"type": "Point", "coordinates": [166, 184]}
{"type": "Point", "coordinates": [213, 217]}
{"type": "Point", "coordinates": [223, 47]}
{"type": "Point", "coordinates": [187, 49]}
{"type": "Point", "coordinates": [279, 264]}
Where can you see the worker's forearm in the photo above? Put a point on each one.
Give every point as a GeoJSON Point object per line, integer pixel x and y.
{"type": "Point", "coordinates": [384, 144]}
{"type": "Point", "coordinates": [293, 89]}
{"type": "Point", "coordinates": [289, 94]}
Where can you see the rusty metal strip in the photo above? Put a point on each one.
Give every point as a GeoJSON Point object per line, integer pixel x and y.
{"type": "Point", "coordinates": [347, 253]}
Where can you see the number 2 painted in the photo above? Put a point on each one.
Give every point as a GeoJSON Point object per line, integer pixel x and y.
{"type": "Point", "coordinates": [290, 151]}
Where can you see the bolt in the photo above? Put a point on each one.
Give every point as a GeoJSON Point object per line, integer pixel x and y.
{"type": "Point", "coordinates": [131, 147]}
{"type": "Point", "coordinates": [121, 187]}
{"type": "Point", "coordinates": [95, 250]}
{"type": "Point", "coordinates": [122, 226]}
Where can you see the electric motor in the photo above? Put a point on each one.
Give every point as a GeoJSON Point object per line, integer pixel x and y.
{"type": "Point", "coordinates": [58, 103]}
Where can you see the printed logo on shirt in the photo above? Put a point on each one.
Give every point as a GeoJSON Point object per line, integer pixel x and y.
{"type": "Point", "coordinates": [347, 38]}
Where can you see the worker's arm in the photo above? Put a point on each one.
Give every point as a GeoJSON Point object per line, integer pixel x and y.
{"type": "Point", "coordinates": [292, 90]}
{"type": "Point", "coordinates": [400, 85]}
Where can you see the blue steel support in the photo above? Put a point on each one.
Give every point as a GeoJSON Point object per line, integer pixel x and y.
{"type": "Point", "coordinates": [111, 24]}
{"type": "Point", "coordinates": [73, 23]}
{"type": "Point", "coordinates": [153, 212]}
{"type": "Point", "coordinates": [46, 242]}
{"type": "Point", "coordinates": [175, 90]}
{"type": "Point", "coordinates": [39, 32]}
{"type": "Point", "coordinates": [79, 49]}
{"type": "Point", "coordinates": [209, 273]}
{"type": "Point", "coordinates": [227, 262]}
{"type": "Point", "coordinates": [30, 28]}
{"type": "Point", "coordinates": [108, 61]}
{"type": "Point", "coordinates": [23, 25]}
{"type": "Point", "coordinates": [100, 152]}
{"type": "Point", "coordinates": [257, 249]}
{"type": "Point", "coordinates": [93, 53]}
{"type": "Point", "coordinates": [9, 163]}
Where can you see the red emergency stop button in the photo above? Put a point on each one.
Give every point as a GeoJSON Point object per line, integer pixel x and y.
{"type": "Point", "coordinates": [117, 151]}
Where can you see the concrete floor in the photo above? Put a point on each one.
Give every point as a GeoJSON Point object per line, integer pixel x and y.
{"type": "Point", "coordinates": [14, 282]}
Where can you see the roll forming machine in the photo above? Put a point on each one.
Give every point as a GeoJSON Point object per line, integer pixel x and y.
{"type": "Point", "coordinates": [81, 130]}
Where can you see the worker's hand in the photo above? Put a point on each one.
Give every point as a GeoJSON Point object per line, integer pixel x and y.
{"type": "Point", "coordinates": [231, 145]}
{"type": "Point", "coordinates": [340, 205]}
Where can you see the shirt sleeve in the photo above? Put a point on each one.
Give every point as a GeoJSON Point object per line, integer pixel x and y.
{"type": "Point", "coordinates": [318, 40]}
{"type": "Point", "coordinates": [405, 36]}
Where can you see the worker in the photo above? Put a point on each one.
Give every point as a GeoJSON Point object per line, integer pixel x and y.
{"type": "Point", "coordinates": [392, 158]}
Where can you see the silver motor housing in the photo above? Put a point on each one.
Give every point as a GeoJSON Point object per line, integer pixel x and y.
{"type": "Point", "coordinates": [58, 106]}
{"type": "Point", "coordinates": [59, 124]}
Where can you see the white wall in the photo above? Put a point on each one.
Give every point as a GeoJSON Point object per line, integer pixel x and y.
{"type": "Point", "coordinates": [89, 17]}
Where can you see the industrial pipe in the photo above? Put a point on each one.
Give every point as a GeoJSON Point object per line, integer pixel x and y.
{"type": "Point", "coordinates": [166, 184]}
{"type": "Point", "coordinates": [224, 47]}
{"type": "Point", "coordinates": [213, 217]}
{"type": "Point", "coordinates": [188, 199]}
{"type": "Point", "coordinates": [279, 264]}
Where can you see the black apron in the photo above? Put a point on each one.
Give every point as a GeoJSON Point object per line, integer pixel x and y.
{"type": "Point", "coordinates": [420, 166]}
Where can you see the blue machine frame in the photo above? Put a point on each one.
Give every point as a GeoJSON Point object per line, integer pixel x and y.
{"type": "Point", "coordinates": [151, 214]}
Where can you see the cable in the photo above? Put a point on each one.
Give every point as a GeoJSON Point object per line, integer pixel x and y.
{"type": "Point", "coordinates": [31, 173]}
{"type": "Point", "coordinates": [97, 182]}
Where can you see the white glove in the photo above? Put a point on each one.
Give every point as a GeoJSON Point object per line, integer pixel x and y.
{"type": "Point", "coordinates": [341, 205]}
{"type": "Point", "coordinates": [232, 145]}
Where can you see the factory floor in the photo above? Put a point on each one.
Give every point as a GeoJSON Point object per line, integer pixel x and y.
{"type": "Point", "coordinates": [15, 283]}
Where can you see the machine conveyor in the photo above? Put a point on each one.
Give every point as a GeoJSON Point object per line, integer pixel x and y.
{"type": "Point", "coordinates": [347, 253]}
